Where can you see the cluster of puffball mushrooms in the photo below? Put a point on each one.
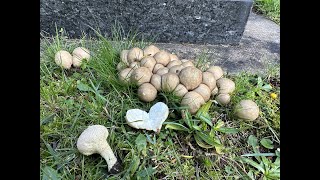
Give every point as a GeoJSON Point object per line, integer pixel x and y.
{"type": "Point", "coordinates": [65, 60]}
{"type": "Point", "coordinates": [156, 70]}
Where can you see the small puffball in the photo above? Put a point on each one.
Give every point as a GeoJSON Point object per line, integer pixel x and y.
{"type": "Point", "coordinates": [190, 77]}
{"type": "Point", "coordinates": [193, 101]}
{"type": "Point", "coordinates": [204, 91]}
{"type": "Point", "coordinates": [184, 60]}
{"type": "Point", "coordinates": [223, 99]}
{"type": "Point", "coordinates": [141, 75]}
{"type": "Point", "coordinates": [157, 67]}
{"type": "Point", "coordinates": [173, 63]}
{"type": "Point", "coordinates": [148, 62]}
{"type": "Point", "coordinates": [180, 90]}
{"type": "Point", "coordinates": [121, 65]}
{"type": "Point", "coordinates": [156, 81]}
{"type": "Point", "coordinates": [214, 91]}
{"type": "Point", "coordinates": [225, 85]}
{"type": "Point", "coordinates": [125, 75]}
{"type": "Point", "coordinates": [169, 82]}
{"type": "Point", "coordinates": [163, 71]}
{"type": "Point", "coordinates": [134, 65]}
{"type": "Point", "coordinates": [63, 59]}
{"type": "Point", "coordinates": [150, 50]}
{"type": "Point", "coordinates": [187, 63]}
{"type": "Point", "coordinates": [147, 92]}
{"type": "Point", "coordinates": [134, 54]}
{"type": "Point", "coordinates": [162, 57]}
{"type": "Point", "coordinates": [176, 69]}
{"type": "Point", "coordinates": [78, 55]}
{"type": "Point", "coordinates": [216, 71]}
{"type": "Point", "coordinates": [209, 80]}
{"type": "Point", "coordinates": [173, 57]}
{"type": "Point", "coordinates": [123, 56]}
{"type": "Point", "coordinates": [247, 110]}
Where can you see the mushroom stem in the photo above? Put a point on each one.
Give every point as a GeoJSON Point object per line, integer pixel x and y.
{"type": "Point", "coordinates": [107, 153]}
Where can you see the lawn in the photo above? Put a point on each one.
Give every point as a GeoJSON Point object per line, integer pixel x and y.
{"type": "Point", "coordinates": [269, 8]}
{"type": "Point", "coordinates": [73, 99]}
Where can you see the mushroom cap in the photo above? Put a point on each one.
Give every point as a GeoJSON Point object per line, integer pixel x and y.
{"type": "Point", "coordinates": [204, 91]}
{"type": "Point", "coordinates": [187, 63]}
{"type": "Point", "coordinates": [150, 50]}
{"type": "Point", "coordinates": [193, 100]}
{"type": "Point", "coordinates": [157, 67]}
{"type": "Point", "coordinates": [169, 82]}
{"type": "Point", "coordinates": [214, 91]}
{"type": "Point", "coordinates": [176, 69]}
{"type": "Point", "coordinates": [156, 81]}
{"type": "Point", "coordinates": [173, 57]}
{"type": "Point", "coordinates": [226, 86]}
{"type": "Point", "coordinates": [125, 75]}
{"type": "Point", "coordinates": [63, 59]}
{"type": "Point", "coordinates": [184, 60]}
{"type": "Point", "coordinates": [162, 57]}
{"type": "Point", "coordinates": [134, 65]}
{"type": "Point", "coordinates": [135, 54]}
{"type": "Point", "coordinates": [180, 90]}
{"type": "Point", "coordinates": [223, 99]}
{"type": "Point", "coordinates": [216, 71]}
{"type": "Point", "coordinates": [148, 62]}
{"type": "Point", "coordinates": [92, 140]}
{"type": "Point", "coordinates": [163, 71]}
{"type": "Point", "coordinates": [247, 110]}
{"type": "Point", "coordinates": [190, 77]}
{"type": "Point", "coordinates": [147, 92]}
{"type": "Point", "coordinates": [173, 63]}
{"type": "Point", "coordinates": [79, 54]}
{"type": "Point", "coordinates": [123, 56]}
{"type": "Point", "coordinates": [141, 75]}
{"type": "Point", "coordinates": [121, 65]}
{"type": "Point", "coordinates": [209, 80]}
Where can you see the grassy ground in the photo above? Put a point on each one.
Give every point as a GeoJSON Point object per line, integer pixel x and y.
{"type": "Point", "coordinates": [71, 100]}
{"type": "Point", "coordinates": [269, 8]}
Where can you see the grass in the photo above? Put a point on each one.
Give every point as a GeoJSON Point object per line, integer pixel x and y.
{"type": "Point", "coordinates": [73, 99]}
{"type": "Point", "coordinates": [269, 8]}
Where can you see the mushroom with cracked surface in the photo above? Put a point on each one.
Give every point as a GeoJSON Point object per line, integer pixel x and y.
{"type": "Point", "coordinates": [78, 55]}
{"type": "Point", "coordinates": [63, 59]}
{"type": "Point", "coordinates": [93, 140]}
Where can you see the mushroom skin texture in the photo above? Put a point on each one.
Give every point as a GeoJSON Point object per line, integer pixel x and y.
{"type": "Point", "coordinates": [157, 67]}
{"type": "Point", "coordinates": [148, 62]}
{"type": "Point", "coordinates": [226, 86]}
{"type": "Point", "coordinates": [216, 71]}
{"type": "Point", "coordinates": [190, 77]}
{"type": "Point", "coordinates": [141, 75]}
{"type": "Point", "coordinates": [163, 71]}
{"type": "Point", "coordinates": [94, 140]}
{"type": "Point", "coordinates": [121, 66]}
{"type": "Point", "coordinates": [193, 100]}
{"type": "Point", "coordinates": [173, 57]}
{"type": "Point", "coordinates": [184, 60]}
{"type": "Point", "coordinates": [223, 99]}
{"type": "Point", "coordinates": [78, 55]}
{"type": "Point", "coordinates": [63, 59]}
{"type": "Point", "coordinates": [134, 54]}
{"type": "Point", "coordinates": [247, 110]}
{"type": "Point", "coordinates": [134, 65]}
{"type": "Point", "coordinates": [150, 50]}
{"type": "Point", "coordinates": [176, 69]}
{"type": "Point", "coordinates": [173, 63]}
{"type": "Point", "coordinates": [187, 63]}
{"type": "Point", "coordinates": [204, 91]}
{"type": "Point", "coordinates": [180, 90]}
{"type": "Point", "coordinates": [124, 56]}
{"type": "Point", "coordinates": [162, 57]}
{"type": "Point", "coordinates": [156, 81]}
{"type": "Point", "coordinates": [169, 82]}
{"type": "Point", "coordinates": [125, 75]}
{"type": "Point", "coordinates": [209, 80]}
{"type": "Point", "coordinates": [214, 91]}
{"type": "Point", "coordinates": [147, 92]}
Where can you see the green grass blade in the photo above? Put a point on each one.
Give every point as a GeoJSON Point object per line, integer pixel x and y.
{"type": "Point", "coordinates": [176, 126]}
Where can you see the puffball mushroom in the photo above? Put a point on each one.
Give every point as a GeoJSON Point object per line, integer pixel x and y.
{"type": "Point", "coordinates": [187, 63]}
{"type": "Point", "coordinates": [173, 57]}
{"type": "Point", "coordinates": [209, 80]}
{"type": "Point", "coordinates": [156, 81]}
{"type": "Point", "coordinates": [216, 71]}
{"type": "Point", "coordinates": [176, 69]}
{"type": "Point", "coordinates": [141, 75]}
{"type": "Point", "coordinates": [247, 110]}
{"type": "Point", "coordinates": [204, 91]}
{"type": "Point", "coordinates": [225, 85]}
{"type": "Point", "coordinates": [147, 92]}
{"type": "Point", "coordinates": [162, 57]}
{"type": "Point", "coordinates": [223, 99]}
{"type": "Point", "coordinates": [93, 140]}
{"type": "Point", "coordinates": [78, 55]}
{"type": "Point", "coordinates": [193, 101]}
{"type": "Point", "coordinates": [63, 59]}
{"type": "Point", "coordinates": [180, 90]}
{"type": "Point", "coordinates": [135, 54]}
{"type": "Point", "coordinates": [173, 63]}
{"type": "Point", "coordinates": [190, 77]}
{"type": "Point", "coordinates": [123, 56]}
{"type": "Point", "coordinates": [134, 65]}
{"type": "Point", "coordinates": [148, 62]}
{"type": "Point", "coordinates": [163, 71]}
{"type": "Point", "coordinates": [214, 91]}
{"type": "Point", "coordinates": [169, 82]}
{"type": "Point", "coordinates": [150, 50]}
{"type": "Point", "coordinates": [121, 65]}
{"type": "Point", "coordinates": [125, 75]}
{"type": "Point", "coordinates": [157, 67]}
